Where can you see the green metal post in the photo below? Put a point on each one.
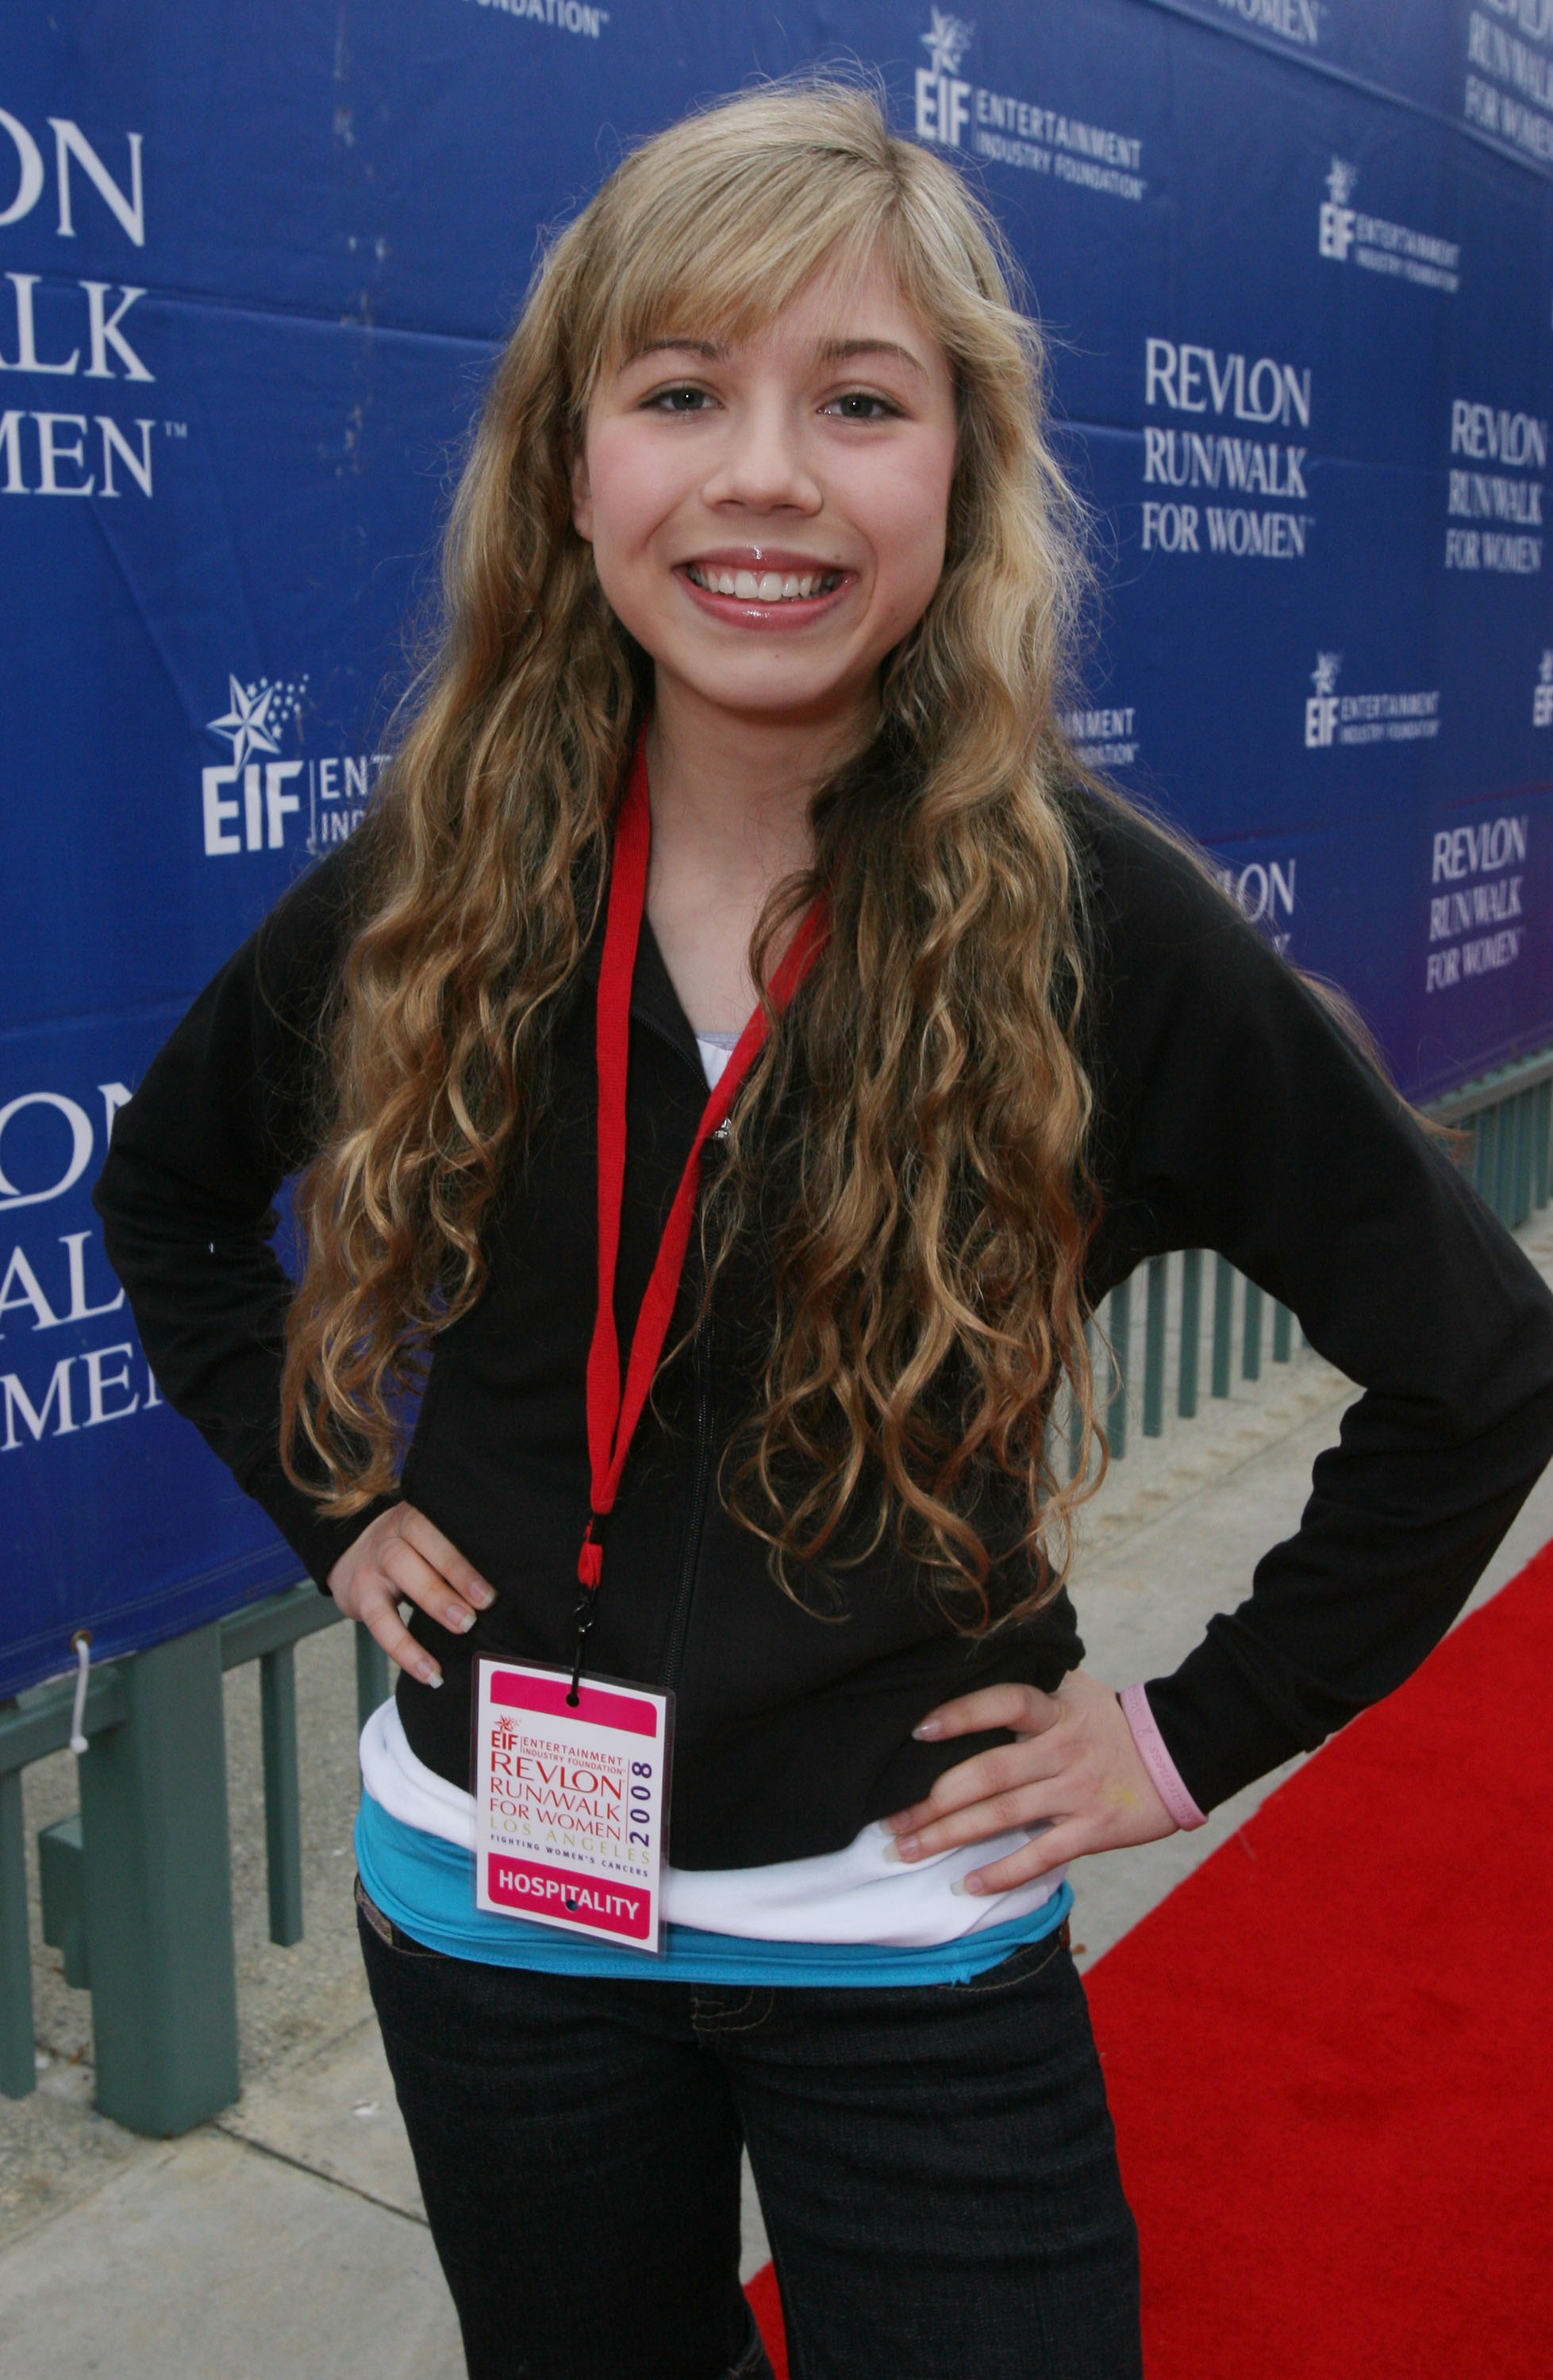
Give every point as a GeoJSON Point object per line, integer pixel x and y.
{"type": "Point", "coordinates": [283, 1801]}
{"type": "Point", "coordinates": [159, 1894]}
{"type": "Point", "coordinates": [64, 1902]}
{"type": "Point", "coordinates": [1529, 1102]}
{"type": "Point", "coordinates": [1524, 1120]}
{"type": "Point", "coordinates": [1075, 1420]}
{"type": "Point", "coordinates": [371, 1675]}
{"type": "Point", "coordinates": [18, 2074]}
{"type": "Point", "coordinates": [1283, 1334]}
{"type": "Point", "coordinates": [1539, 1142]}
{"type": "Point", "coordinates": [1504, 1188]}
{"type": "Point", "coordinates": [1191, 1330]}
{"type": "Point", "coordinates": [1485, 1150]}
{"type": "Point", "coordinates": [1120, 1337]}
{"type": "Point", "coordinates": [1154, 1349]}
{"type": "Point", "coordinates": [1223, 1323]}
{"type": "Point", "coordinates": [1251, 1346]}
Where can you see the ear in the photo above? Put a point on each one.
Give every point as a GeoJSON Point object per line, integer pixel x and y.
{"type": "Point", "coordinates": [581, 496]}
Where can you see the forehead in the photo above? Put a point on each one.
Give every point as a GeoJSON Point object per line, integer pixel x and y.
{"type": "Point", "coordinates": [842, 300]}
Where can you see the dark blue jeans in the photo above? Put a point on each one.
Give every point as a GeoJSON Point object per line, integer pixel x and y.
{"type": "Point", "coordinates": [936, 2165]}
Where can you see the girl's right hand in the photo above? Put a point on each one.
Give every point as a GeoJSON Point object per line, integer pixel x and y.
{"type": "Point", "coordinates": [400, 1558]}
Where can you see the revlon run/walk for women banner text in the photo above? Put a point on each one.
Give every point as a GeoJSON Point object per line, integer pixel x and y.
{"type": "Point", "coordinates": [1296, 261]}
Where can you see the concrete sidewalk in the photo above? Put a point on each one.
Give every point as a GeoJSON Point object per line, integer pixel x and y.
{"type": "Point", "coordinates": [286, 2241]}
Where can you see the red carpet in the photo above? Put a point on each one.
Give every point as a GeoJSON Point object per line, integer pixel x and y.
{"type": "Point", "coordinates": [761, 2290]}
{"type": "Point", "coordinates": [1329, 2053]}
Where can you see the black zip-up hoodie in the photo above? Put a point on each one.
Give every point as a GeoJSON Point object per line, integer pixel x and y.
{"type": "Point", "coordinates": [1231, 1115]}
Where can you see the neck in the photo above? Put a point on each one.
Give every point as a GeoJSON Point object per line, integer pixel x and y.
{"type": "Point", "coordinates": [731, 796]}
{"type": "Point", "coordinates": [730, 820]}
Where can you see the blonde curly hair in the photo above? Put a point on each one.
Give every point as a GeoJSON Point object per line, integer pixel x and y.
{"type": "Point", "coordinates": [927, 1304]}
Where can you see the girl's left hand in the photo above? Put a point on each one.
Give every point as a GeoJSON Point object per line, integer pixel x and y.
{"type": "Point", "coordinates": [1075, 1769]}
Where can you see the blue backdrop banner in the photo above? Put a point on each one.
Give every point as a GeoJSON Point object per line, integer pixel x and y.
{"type": "Point", "coordinates": [1296, 260]}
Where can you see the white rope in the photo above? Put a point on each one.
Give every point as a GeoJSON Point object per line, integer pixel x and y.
{"type": "Point", "coordinates": [82, 1644]}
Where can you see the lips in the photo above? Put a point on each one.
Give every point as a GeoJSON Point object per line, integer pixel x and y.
{"type": "Point", "coordinates": [766, 589]}
{"type": "Point", "coordinates": [766, 585]}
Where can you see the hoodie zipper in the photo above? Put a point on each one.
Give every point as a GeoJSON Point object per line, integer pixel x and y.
{"type": "Point", "coordinates": [684, 1595]}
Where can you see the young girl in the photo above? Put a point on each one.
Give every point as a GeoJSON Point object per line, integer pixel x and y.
{"type": "Point", "coordinates": [759, 586]}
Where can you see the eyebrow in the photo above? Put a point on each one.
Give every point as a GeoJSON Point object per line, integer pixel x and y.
{"type": "Point", "coordinates": [707, 347]}
{"type": "Point", "coordinates": [831, 351]}
{"type": "Point", "coordinates": [842, 351]}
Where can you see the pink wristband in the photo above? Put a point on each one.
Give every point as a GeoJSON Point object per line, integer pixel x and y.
{"type": "Point", "coordinates": [1157, 1761]}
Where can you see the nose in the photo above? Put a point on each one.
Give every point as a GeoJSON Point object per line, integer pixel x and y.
{"type": "Point", "coordinates": [761, 465]}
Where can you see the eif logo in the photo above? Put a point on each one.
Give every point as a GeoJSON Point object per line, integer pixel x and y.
{"type": "Point", "coordinates": [255, 718]}
{"type": "Point", "coordinates": [1542, 693]}
{"type": "Point", "coordinates": [943, 100]}
{"type": "Point", "coordinates": [1321, 707]}
{"type": "Point", "coordinates": [1336, 215]}
{"type": "Point", "coordinates": [1396, 250]}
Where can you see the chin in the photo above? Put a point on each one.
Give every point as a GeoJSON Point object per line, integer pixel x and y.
{"type": "Point", "coordinates": [767, 692]}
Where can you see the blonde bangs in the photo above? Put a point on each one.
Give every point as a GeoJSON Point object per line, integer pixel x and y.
{"type": "Point", "coordinates": [692, 280]}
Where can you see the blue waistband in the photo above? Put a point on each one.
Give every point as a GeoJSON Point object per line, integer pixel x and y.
{"type": "Point", "coordinates": [427, 1887]}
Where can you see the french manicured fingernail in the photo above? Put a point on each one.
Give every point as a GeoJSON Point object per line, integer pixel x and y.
{"type": "Point", "coordinates": [928, 1730]}
{"type": "Point", "coordinates": [904, 1847]}
{"type": "Point", "coordinates": [968, 1884]}
{"type": "Point", "coordinates": [479, 1593]}
{"type": "Point", "coordinates": [429, 1675]}
{"type": "Point", "coordinates": [462, 1619]}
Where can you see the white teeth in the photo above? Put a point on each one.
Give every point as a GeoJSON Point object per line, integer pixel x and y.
{"type": "Point", "coordinates": [768, 587]}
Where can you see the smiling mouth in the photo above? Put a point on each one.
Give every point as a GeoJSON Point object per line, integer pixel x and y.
{"type": "Point", "coordinates": [764, 585]}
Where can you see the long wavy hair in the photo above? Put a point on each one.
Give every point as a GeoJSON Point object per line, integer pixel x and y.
{"type": "Point", "coordinates": [926, 1292]}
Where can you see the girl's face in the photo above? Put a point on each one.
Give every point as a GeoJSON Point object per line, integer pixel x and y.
{"type": "Point", "coordinates": [768, 517]}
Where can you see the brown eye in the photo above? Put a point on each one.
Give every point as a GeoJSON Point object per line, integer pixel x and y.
{"type": "Point", "coordinates": [858, 405]}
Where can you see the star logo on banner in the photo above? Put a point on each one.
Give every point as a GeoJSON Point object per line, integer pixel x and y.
{"type": "Point", "coordinates": [1545, 671]}
{"type": "Point", "coordinates": [247, 720]}
{"type": "Point", "coordinates": [1340, 182]}
{"type": "Point", "coordinates": [1324, 676]}
{"type": "Point", "coordinates": [947, 41]}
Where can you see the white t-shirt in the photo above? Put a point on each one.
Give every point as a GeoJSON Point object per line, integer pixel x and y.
{"type": "Point", "coordinates": [856, 1895]}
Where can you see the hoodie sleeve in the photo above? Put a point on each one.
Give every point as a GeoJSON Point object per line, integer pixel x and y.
{"type": "Point", "coordinates": [230, 1106]}
{"type": "Point", "coordinates": [1234, 1114]}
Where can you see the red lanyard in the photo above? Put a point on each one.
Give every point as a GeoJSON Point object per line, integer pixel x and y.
{"type": "Point", "coordinates": [613, 1413]}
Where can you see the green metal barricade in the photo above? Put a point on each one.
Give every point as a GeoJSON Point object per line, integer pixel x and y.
{"type": "Point", "coordinates": [137, 1886]}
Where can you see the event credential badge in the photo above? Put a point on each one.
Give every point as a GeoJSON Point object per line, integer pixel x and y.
{"type": "Point", "coordinates": [569, 1802]}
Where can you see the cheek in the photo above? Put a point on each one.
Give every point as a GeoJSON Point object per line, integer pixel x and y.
{"type": "Point", "coordinates": [625, 498]}
{"type": "Point", "coordinates": [909, 538]}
